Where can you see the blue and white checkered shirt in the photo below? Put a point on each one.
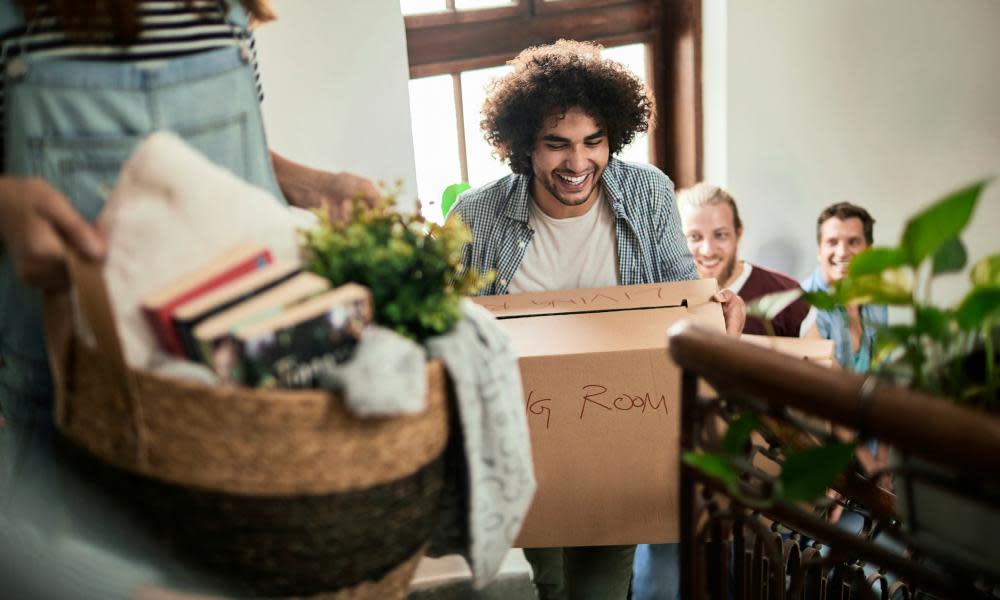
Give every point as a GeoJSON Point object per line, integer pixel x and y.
{"type": "Point", "coordinates": [651, 246]}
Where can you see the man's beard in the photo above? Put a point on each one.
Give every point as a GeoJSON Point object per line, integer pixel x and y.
{"type": "Point", "coordinates": [550, 186]}
{"type": "Point", "coordinates": [727, 271]}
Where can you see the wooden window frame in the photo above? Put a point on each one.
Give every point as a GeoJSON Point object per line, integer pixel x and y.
{"type": "Point", "coordinates": [456, 41]}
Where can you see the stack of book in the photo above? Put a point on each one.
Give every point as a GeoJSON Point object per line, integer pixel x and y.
{"type": "Point", "coordinates": [256, 321]}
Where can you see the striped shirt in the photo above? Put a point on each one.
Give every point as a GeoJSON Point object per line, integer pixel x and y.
{"type": "Point", "coordinates": [167, 29]}
{"type": "Point", "coordinates": [650, 241]}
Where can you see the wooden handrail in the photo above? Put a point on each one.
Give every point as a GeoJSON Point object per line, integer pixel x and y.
{"type": "Point", "coordinates": [916, 422]}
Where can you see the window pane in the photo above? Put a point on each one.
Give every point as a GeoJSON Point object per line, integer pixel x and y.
{"type": "Point", "coordinates": [419, 7]}
{"type": "Point", "coordinates": [435, 140]}
{"type": "Point", "coordinates": [483, 166]}
{"type": "Point", "coordinates": [632, 56]}
{"type": "Point", "coordinates": [477, 4]}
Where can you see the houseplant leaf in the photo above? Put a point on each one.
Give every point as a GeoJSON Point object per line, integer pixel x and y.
{"type": "Point", "coordinates": [891, 286]}
{"type": "Point", "coordinates": [888, 339]}
{"type": "Point", "coordinates": [739, 432]}
{"type": "Point", "coordinates": [940, 222]}
{"type": "Point", "coordinates": [769, 305]}
{"type": "Point", "coordinates": [950, 257]}
{"type": "Point", "coordinates": [875, 260]}
{"type": "Point", "coordinates": [986, 271]}
{"type": "Point", "coordinates": [805, 475]}
{"type": "Point", "coordinates": [450, 194]}
{"type": "Point", "coordinates": [979, 305]}
{"type": "Point", "coordinates": [820, 299]}
{"type": "Point", "coordinates": [712, 465]}
{"type": "Point", "coordinates": [931, 321]}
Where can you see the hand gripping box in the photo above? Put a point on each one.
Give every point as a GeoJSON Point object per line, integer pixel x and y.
{"type": "Point", "coordinates": [603, 403]}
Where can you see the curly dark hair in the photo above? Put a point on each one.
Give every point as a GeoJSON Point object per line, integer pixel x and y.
{"type": "Point", "coordinates": [844, 211]}
{"type": "Point", "coordinates": [549, 80]}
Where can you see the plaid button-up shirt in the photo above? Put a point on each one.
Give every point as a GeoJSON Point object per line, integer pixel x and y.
{"type": "Point", "coordinates": [651, 246]}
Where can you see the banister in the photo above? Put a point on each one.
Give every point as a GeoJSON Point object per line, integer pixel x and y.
{"type": "Point", "coordinates": [913, 421]}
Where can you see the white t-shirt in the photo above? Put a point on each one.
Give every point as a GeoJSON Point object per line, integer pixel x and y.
{"type": "Point", "coordinates": [576, 252]}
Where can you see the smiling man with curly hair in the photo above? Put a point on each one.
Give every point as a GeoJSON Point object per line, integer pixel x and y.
{"type": "Point", "coordinates": [572, 215]}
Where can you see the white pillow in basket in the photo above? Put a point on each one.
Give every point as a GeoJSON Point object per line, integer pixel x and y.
{"type": "Point", "coordinates": [171, 211]}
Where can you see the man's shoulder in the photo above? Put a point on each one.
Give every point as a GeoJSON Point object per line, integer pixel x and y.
{"type": "Point", "coordinates": [762, 281]}
{"type": "Point", "coordinates": [814, 282]}
{"type": "Point", "coordinates": [631, 173]}
{"type": "Point", "coordinates": [484, 199]}
{"type": "Point", "coordinates": [643, 189]}
{"type": "Point", "coordinates": [775, 281]}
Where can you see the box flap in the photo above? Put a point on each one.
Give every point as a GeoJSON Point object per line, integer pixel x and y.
{"type": "Point", "coordinates": [602, 319]}
{"type": "Point", "coordinates": [814, 350]}
{"type": "Point", "coordinates": [589, 300]}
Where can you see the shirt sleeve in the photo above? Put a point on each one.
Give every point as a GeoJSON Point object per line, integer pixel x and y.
{"type": "Point", "coordinates": [671, 247]}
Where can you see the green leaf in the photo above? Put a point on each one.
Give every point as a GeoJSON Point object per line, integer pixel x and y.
{"type": "Point", "coordinates": [980, 305]}
{"type": "Point", "coordinates": [769, 305]}
{"type": "Point", "coordinates": [875, 260]}
{"type": "Point", "coordinates": [986, 271]}
{"type": "Point", "coordinates": [932, 322]}
{"type": "Point", "coordinates": [892, 286]}
{"type": "Point", "coordinates": [950, 257]}
{"type": "Point", "coordinates": [739, 432]}
{"type": "Point", "coordinates": [820, 299]}
{"type": "Point", "coordinates": [712, 465]}
{"type": "Point", "coordinates": [943, 220]}
{"type": "Point", "coordinates": [887, 339]}
{"type": "Point", "coordinates": [807, 474]}
{"type": "Point", "coordinates": [450, 194]}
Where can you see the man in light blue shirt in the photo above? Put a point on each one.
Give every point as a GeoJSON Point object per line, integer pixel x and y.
{"type": "Point", "coordinates": [842, 231]}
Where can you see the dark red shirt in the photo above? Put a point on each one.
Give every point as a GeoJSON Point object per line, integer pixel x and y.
{"type": "Point", "coordinates": [763, 281]}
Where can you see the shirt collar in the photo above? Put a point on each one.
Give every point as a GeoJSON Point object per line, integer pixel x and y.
{"type": "Point", "coordinates": [816, 281]}
{"type": "Point", "coordinates": [516, 206]}
{"type": "Point", "coordinates": [740, 281]}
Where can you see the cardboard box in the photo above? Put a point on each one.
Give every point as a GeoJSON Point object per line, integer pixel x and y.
{"type": "Point", "coordinates": [603, 403]}
{"type": "Point", "coordinates": [813, 350]}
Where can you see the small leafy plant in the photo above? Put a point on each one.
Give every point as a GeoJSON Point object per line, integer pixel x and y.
{"type": "Point", "coordinates": [412, 267]}
{"type": "Point", "coordinates": [948, 351]}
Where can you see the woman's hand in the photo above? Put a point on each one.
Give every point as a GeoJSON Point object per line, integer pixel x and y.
{"type": "Point", "coordinates": [37, 225]}
{"type": "Point", "coordinates": [734, 311]}
{"type": "Point", "coordinates": [306, 187]}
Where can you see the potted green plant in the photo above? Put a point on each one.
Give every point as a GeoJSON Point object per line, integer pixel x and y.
{"type": "Point", "coordinates": [413, 267]}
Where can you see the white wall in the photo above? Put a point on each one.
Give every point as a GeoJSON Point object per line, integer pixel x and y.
{"type": "Point", "coordinates": [885, 103]}
{"type": "Point", "coordinates": [335, 88]}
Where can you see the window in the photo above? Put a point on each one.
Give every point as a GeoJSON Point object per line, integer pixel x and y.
{"type": "Point", "coordinates": [457, 46]}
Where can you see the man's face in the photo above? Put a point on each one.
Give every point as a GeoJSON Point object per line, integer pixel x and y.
{"type": "Point", "coordinates": [712, 239]}
{"type": "Point", "coordinates": [839, 241]}
{"type": "Point", "coordinates": [567, 162]}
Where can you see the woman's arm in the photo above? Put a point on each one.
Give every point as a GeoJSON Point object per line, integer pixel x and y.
{"type": "Point", "coordinates": [306, 187]}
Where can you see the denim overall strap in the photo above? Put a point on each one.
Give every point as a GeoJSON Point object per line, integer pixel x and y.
{"type": "Point", "coordinates": [74, 123]}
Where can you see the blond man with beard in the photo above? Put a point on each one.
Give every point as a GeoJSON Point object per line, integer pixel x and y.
{"type": "Point", "coordinates": [713, 229]}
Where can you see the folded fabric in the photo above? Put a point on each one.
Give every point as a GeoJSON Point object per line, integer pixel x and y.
{"type": "Point", "coordinates": [385, 377]}
{"type": "Point", "coordinates": [499, 471]}
{"type": "Point", "coordinates": [171, 210]}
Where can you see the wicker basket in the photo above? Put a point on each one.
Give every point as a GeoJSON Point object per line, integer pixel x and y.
{"type": "Point", "coordinates": [283, 492]}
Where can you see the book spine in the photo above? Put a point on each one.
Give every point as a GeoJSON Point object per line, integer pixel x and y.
{"type": "Point", "coordinates": [162, 318]}
{"type": "Point", "coordinates": [299, 356]}
{"type": "Point", "coordinates": [185, 327]}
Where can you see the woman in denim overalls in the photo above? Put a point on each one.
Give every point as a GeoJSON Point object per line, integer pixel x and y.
{"type": "Point", "coordinates": [69, 126]}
